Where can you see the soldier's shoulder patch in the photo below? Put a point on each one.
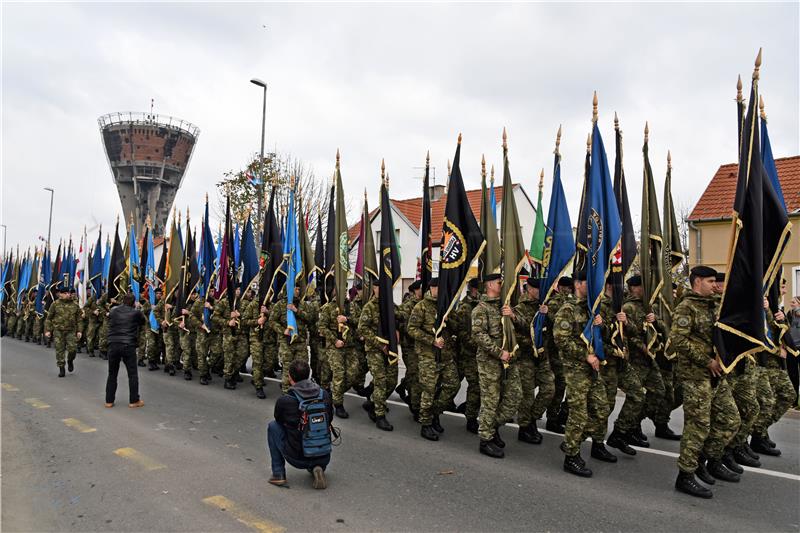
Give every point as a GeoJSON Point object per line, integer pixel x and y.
{"type": "Point", "coordinates": [564, 324]}
{"type": "Point", "coordinates": [683, 321]}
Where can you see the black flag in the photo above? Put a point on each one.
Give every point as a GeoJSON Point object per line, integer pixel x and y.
{"type": "Point", "coordinates": [271, 254]}
{"type": "Point", "coordinates": [116, 266]}
{"type": "Point", "coordinates": [319, 260]}
{"type": "Point", "coordinates": [388, 276]}
{"type": "Point", "coordinates": [425, 260]}
{"type": "Point", "coordinates": [462, 242]}
{"type": "Point", "coordinates": [627, 252]}
{"type": "Point", "coordinates": [581, 230]}
{"type": "Point", "coordinates": [331, 242]}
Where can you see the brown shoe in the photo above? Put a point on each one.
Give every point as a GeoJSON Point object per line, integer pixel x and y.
{"type": "Point", "coordinates": [319, 478]}
{"type": "Point", "coordinates": [278, 480]}
{"type": "Point", "coordinates": [109, 405]}
{"type": "Point", "coordinates": [133, 405]}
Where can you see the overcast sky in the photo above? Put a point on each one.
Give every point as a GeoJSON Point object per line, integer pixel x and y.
{"type": "Point", "coordinates": [381, 81]}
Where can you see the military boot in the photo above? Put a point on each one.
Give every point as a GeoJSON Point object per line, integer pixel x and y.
{"type": "Point", "coordinates": [187, 375]}
{"type": "Point", "coordinates": [488, 447]}
{"type": "Point", "coordinates": [687, 483]}
{"type": "Point", "coordinates": [718, 469]}
{"type": "Point", "coordinates": [230, 384]}
{"type": "Point", "coordinates": [436, 425]}
{"type": "Point", "coordinates": [402, 391]}
{"type": "Point", "coordinates": [575, 465]}
{"type": "Point", "coordinates": [152, 365]}
{"type": "Point", "coordinates": [749, 451]}
{"type": "Point", "coordinates": [104, 356]}
{"type": "Point", "coordinates": [500, 443]}
{"type": "Point", "coordinates": [702, 471]}
{"type": "Point", "coordinates": [204, 379]}
{"type": "Point", "coordinates": [70, 366]}
{"type": "Point", "coordinates": [664, 432]}
{"type": "Point", "coordinates": [633, 438]}
{"type": "Point", "coordinates": [260, 394]}
{"type": "Point", "coordinates": [172, 369]}
{"type": "Point", "coordinates": [554, 426]}
{"type": "Point", "coordinates": [427, 432]}
{"type": "Point", "coordinates": [61, 372]}
{"type": "Point", "coordinates": [769, 440]}
{"type": "Point", "coordinates": [529, 434]}
{"type": "Point", "coordinates": [601, 453]}
{"type": "Point", "coordinates": [383, 424]}
{"type": "Point", "coordinates": [340, 411]}
{"type": "Point", "coordinates": [472, 425]}
{"type": "Point", "coordinates": [743, 458]}
{"type": "Point", "coordinates": [760, 445]}
{"type": "Point", "coordinates": [369, 407]}
{"type": "Point", "coordinates": [91, 353]}
{"type": "Point", "coordinates": [639, 433]}
{"type": "Point", "coordinates": [730, 461]}
{"type": "Point", "coordinates": [617, 440]}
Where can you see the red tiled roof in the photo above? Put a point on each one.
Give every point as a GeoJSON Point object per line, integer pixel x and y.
{"type": "Point", "coordinates": [717, 200]}
{"type": "Point", "coordinates": [412, 210]}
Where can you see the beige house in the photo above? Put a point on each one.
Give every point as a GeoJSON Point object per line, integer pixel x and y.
{"type": "Point", "coordinates": [710, 221]}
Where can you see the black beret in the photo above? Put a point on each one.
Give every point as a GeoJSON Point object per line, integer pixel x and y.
{"type": "Point", "coordinates": [579, 276]}
{"type": "Point", "coordinates": [674, 285]}
{"type": "Point", "coordinates": [474, 283]}
{"type": "Point", "coordinates": [702, 271]}
{"type": "Point", "coordinates": [434, 282]}
{"type": "Point", "coordinates": [492, 277]}
{"type": "Point", "coordinates": [357, 284]}
{"type": "Point", "coordinates": [720, 278]}
{"type": "Point", "coordinates": [416, 284]}
{"type": "Point", "coordinates": [635, 281]}
{"type": "Point", "coordinates": [534, 283]}
{"type": "Point", "coordinates": [565, 281]}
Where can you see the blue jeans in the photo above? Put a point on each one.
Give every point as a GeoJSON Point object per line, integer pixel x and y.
{"type": "Point", "coordinates": [276, 442]}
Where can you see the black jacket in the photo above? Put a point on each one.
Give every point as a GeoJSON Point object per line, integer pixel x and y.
{"type": "Point", "coordinates": [287, 414]}
{"type": "Point", "coordinates": [123, 325]}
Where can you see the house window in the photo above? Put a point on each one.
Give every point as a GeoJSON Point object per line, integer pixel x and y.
{"type": "Point", "coordinates": [796, 281]}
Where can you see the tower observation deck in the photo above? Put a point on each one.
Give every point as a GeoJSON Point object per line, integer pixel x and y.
{"type": "Point", "coordinates": [148, 155]}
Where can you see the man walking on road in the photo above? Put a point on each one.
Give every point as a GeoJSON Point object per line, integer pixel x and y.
{"type": "Point", "coordinates": [123, 333]}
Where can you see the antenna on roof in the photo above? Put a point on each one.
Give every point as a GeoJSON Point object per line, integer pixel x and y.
{"type": "Point", "coordinates": [152, 104]}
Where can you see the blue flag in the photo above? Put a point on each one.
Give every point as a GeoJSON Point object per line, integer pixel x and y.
{"type": "Point", "coordinates": [559, 247]}
{"type": "Point", "coordinates": [769, 163]}
{"type": "Point", "coordinates": [292, 264]}
{"type": "Point", "coordinates": [45, 278]}
{"type": "Point", "coordinates": [207, 265]}
{"type": "Point", "coordinates": [236, 247]}
{"type": "Point", "coordinates": [69, 271]}
{"type": "Point", "coordinates": [604, 231]}
{"type": "Point", "coordinates": [133, 263]}
{"type": "Point", "coordinates": [150, 276]}
{"type": "Point", "coordinates": [248, 256]}
{"type": "Point", "coordinates": [493, 198]}
{"type": "Point", "coordinates": [106, 263]}
{"type": "Point", "coordinates": [96, 268]}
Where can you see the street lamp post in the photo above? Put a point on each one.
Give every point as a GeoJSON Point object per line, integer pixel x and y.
{"type": "Point", "coordinates": [50, 222]}
{"type": "Point", "coordinates": [260, 194]}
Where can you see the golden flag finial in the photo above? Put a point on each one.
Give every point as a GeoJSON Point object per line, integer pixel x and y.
{"type": "Point", "coordinates": [291, 181]}
{"type": "Point", "coordinates": [449, 170]}
{"type": "Point", "coordinates": [669, 159]}
{"type": "Point", "coordinates": [187, 214]}
{"type": "Point", "coordinates": [337, 158]}
{"type": "Point", "coordinates": [383, 169]}
{"type": "Point", "coordinates": [761, 107]}
{"type": "Point", "coordinates": [594, 108]}
{"type": "Point", "coordinates": [483, 166]}
{"type": "Point", "coordinates": [616, 121]}
{"type": "Point", "coordinates": [428, 159]}
{"type": "Point", "coordinates": [505, 139]}
{"type": "Point", "coordinates": [541, 180]}
{"type": "Point", "coordinates": [589, 143]}
{"type": "Point", "coordinates": [147, 222]}
{"type": "Point", "coordinates": [758, 65]}
{"type": "Point", "coordinates": [131, 217]}
{"type": "Point", "coordinates": [646, 131]}
{"type": "Point", "coordinates": [558, 140]}
{"type": "Point", "coordinates": [365, 194]}
{"type": "Point", "coordinates": [179, 218]}
{"type": "Point", "coordinates": [739, 97]}
{"type": "Point", "coordinates": [459, 138]}
{"type": "Point", "coordinates": [386, 180]}
{"type": "Point", "coordinates": [491, 175]}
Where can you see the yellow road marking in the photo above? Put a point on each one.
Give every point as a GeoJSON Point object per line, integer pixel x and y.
{"type": "Point", "coordinates": [37, 403]}
{"type": "Point", "coordinates": [243, 515]}
{"type": "Point", "coordinates": [138, 457]}
{"type": "Point", "coordinates": [76, 424]}
{"type": "Point", "coordinates": [8, 387]}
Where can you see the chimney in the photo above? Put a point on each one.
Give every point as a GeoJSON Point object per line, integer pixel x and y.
{"type": "Point", "coordinates": [435, 192]}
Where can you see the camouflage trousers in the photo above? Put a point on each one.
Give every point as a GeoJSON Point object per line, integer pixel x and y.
{"type": "Point", "coordinates": [468, 369]}
{"type": "Point", "coordinates": [256, 346]}
{"type": "Point", "coordinates": [673, 395]}
{"type": "Point", "coordinates": [438, 384]}
{"type": "Point", "coordinates": [630, 382]}
{"type": "Point", "coordinates": [141, 344]}
{"type": "Point", "coordinates": [775, 395]}
{"type": "Point", "coordinates": [11, 324]}
{"type": "Point", "coordinates": [91, 335]}
{"type": "Point", "coordinates": [384, 379]}
{"type": "Point", "coordinates": [316, 353]}
{"type": "Point", "coordinates": [560, 385]}
{"type": "Point", "coordinates": [411, 378]}
{"type": "Point", "coordinates": [64, 341]}
{"type": "Point", "coordinates": [215, 357]}
{"type": "Point", "coordinates": [743, 388]}
{"type": "Point", "coordinates": [710, 422]}
{"type": "Point", "coordinates": [201, 343]}
{"type": "Point", "coordinates": [650, 376]}
{"type": "Point", "coordinates": [188, 341]}
{"type": "Point", "coordinates": [102, 341]}
{"type": "Point", "coordinates": [38, 327]}
{"type": "Point", "coordinates": [270, 342]}
{"type": "Point", "coordinates": [171, 345]}
{"type": "Point", "coordinates": [324, 376]}
{"type": "Point", "coordinates": [288, 353]}
{"type": "Point", "coordinates": [154, 345]}
{"type": "Point", "coordinates": [363, 364]}
{"type": "Point", "coordinates": [500, 394]}
{"type": "Point", "coordinates": [22, 322]}
{"type": "Point", "coordinates": [588, 407]}
{"type": "Point", "coordinates": [534, 372]}
{"type": "Point", "coordinates": [343, 369]}
{"type": "Point", "coordinates": [234, 352]}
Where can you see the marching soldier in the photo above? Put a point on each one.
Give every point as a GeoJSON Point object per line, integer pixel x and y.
{"type": "Point", "coordinates": [186, 336]}
{"type": "Point", "coordinates": [62, 324]}
{"type": "Point", "coordinates": [384, 372]}
{"type": "Point", "coordinates": [290, 350]}
{"type": "Point", "coordinates": [197, 324]}
{"type": "Point", "coordinates": [339, 354]}
{"type": "Point", "coordinates": [356, 307]}
{"type": "Point", "coordinates": [558, 409]}
{"type": "Point", "coordinates": [104, 306]}
{"type": "Point", "coordinates": [408, 387]}
{"type": "Point", "coordinates": [154, 337]}
{"type": "Point", "coordinates": [254, 318]}
{"type": "Point", "coordinates": [141, 345]}
{"type": "Point", "coordinates": [91, 324]}
{"type": "Point", "coordinates": [466, 362]}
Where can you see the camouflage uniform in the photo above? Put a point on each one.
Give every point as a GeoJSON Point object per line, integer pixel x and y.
{"type": "Point", "coordinates": [62, 322]}
{"type": "Point", "coordinates": [534, 369]}
{"type": "Point", "coordinates": [155, 339]}
{"type": "Point", "coordinates": [297, 350]}
{"type": "Point", "coordinates": [437, 368]}
{"type": "Point", "coordinates": [11, 317]}
{"type": "Point", "coordinates": [342, 362]}
{"type": "Point", "coordinates": [356, 307]}
{"type": "Point", "coordinates": [141, 347]}
{"type": "Point", "coordinates": [188, 337]}
{"type": "Point", "coordinates": [466, 362]}
{"type": "Point", "coordinates": [22, 320]}
{"type": "Point", "coordinates": [270, 342]}
{"type": "Point", "coordinates": [775, 391]}
{"type": "Point", "coordinates": [384, 375]}
{"type": "Point", "coordinates": [645, 365]}
{"type": "Point", "coordinates": [315, 342]}
{"type": "Point", "coordinates": [554, 303]}
{"type": "Point", "coordinates": [171, 338]}
{"type": "Point", "coordinates": [250, 317]}
{"type": "Point", "coordinates": [743, 383]}
{"type": "Point", "coordinates": [500, 388]}
{"type": "Point", "coordinates": [103, 307]}
{"type": "Point", "coordinates": [195, 323]}
{"type": "Point", "coordinates": [92, 324]}
{"type": "Point", "coordinates": [586, 391]}
{"type": "Point", "coordinates": [410, 361]}
{"type": "Point", "coordinates": [710, 416]}
{"type": "Point", "coordinates": [234, 338]}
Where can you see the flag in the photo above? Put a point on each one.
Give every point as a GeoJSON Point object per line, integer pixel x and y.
{"type": "Point", "coordinates": [366, 261]}
{"type": "Point", "coordinates": [536, 250]}
{"type": "Point", "coordinates": [319, 260]}
{"type": "Point", "coordinates": [247, 254]}
{"type": "Point", "coordinates": [292, 263]}
{"type": "Point", "coordinates": [513, 254]}
{"type": "Point", "coordinates": [207, 261]}
{"type": "Point", "coordinates": [191, 274]}
{"type": "Point", "coordinates": [651, 259]}
{"type": "Point", "coordinates": [673, 254]}
{"type": "Point", "coordinates": [271, 253]}
{"type": "Point", "coordinates": [627, 250]}
{"type": "Point", "coordinates": [740, 110]}
{"type": "Point", "coordinates": [106, 263]}
{"type": "Point", "coordinates": [761, 232]}
{"type": "Point", "coordinates": [150, 277]}
{"type": "Point", "coordinates": [489, 260]}
{"type": "Point", "coordinates": [174, 264]}
{"type": "Point", "coordinates": [307, 279]}
{"type": "Point", "coordinates": [252, 179]}
{"type": "Point", "coordinates": [559, 248]}
{"type": "Point", "coordinates": [82, 279]}
{"type": "Point", "coordinates": [462, 242]}
{"type": "Point", "coordinates": [45, 278]}
{"type": "Point", "coordinates": [133, 263]}
{"type": "Point", "coordinates": [603, 230]}
{"type": "Point", "coordinates": [581, 234]}
{"type": "Point", "coordinates": [116, 267]}
{"type": "Point", "coordinates": [331, 241]}
{"type": "Point", "coordinates": [426, 244]}
{"type": "Point", "coordinates": [388, 277]}
{"type": "Point", "coordinates": [237, 247]}
{"type": "Point", "coordinates": [226, 273]}
{"type": "Point", "coordinates": [96, 270]}
{"type": "Point", "coordinates": [341, 259]}
{"type": "Point", "coordinates": [493, 199]}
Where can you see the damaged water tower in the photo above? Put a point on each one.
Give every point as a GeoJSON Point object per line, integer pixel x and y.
{"type": "Point", "coordinates": [148, 155]}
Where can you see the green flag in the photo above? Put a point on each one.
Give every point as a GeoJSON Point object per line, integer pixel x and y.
{"type": "Point", "coordinates": [651, 249]}
{"type": "Point", "coordinates": [305, 282]}
{"type": "Point", "coordinates": [536, 251]}
{"type": "Point", "coordinates": [513, 251]}
{"type": "Point", "coordinates": [672, 253]}
{"type": "Point", "coordinates": [341, 264]}
{"type": "Point", "coordinates": [489, 261]}
{"type": "Point", "coordinates": [174, 274]}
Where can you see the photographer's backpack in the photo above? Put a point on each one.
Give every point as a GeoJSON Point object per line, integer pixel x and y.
{"type": "Point", "coordinates": [314, 425]}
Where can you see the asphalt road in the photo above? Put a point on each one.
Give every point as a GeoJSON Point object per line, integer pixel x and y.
{"type": "Point", "coordinates": [194, 459]}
